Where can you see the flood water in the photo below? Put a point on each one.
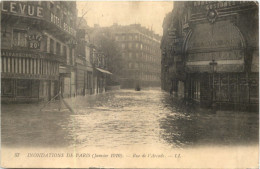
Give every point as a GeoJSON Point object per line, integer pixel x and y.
{"type": "Point", "coordinates": [125, 118]}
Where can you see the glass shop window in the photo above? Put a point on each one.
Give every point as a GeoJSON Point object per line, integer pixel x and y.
{"type": "Point", "coordinates": [7, 87]}
{"type": "Point", "coordinates": [24, 88]}
{"type": "Point", "coordinates": [19, 38]}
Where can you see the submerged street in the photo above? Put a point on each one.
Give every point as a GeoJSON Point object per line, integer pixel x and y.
{"type": "Point", "coordinates": [125, 118]}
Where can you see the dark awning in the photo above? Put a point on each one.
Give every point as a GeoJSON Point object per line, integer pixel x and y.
{"type": "Point", "coordinates": [104, 71]}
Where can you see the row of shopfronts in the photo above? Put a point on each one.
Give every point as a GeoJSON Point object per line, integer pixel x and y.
{"type": "Point", "coordinates": [39, 53]}
{"type": "Point", "coordinates": [210, 54]}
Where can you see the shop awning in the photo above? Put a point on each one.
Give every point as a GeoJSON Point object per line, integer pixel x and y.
{"type": "Point", "coordinates": [104, 71]}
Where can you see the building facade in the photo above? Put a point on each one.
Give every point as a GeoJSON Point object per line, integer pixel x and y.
{"type": "Point", "coordinates": [140, 49]}
{"type": "Point", "coordinates": [84, 72]}
{"type": "Point", "coordinates": [92, 61]}
{"type": "Point", "coordinates": [210, 51]}
{"type": "Point", "coordinates": [37, 49]}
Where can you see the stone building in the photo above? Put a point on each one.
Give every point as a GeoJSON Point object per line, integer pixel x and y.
{"type": "Point", "coordinates": [84, 69]}
{"type": "Point", "coordinates": [141, 55]}
{"type": "Point", "coordinates": [211, 48]}
{"type": "Point", "coordinates": [37, 49]}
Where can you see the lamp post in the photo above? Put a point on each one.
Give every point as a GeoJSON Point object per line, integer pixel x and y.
{"type": "Point", "coordinates": [213, 63]}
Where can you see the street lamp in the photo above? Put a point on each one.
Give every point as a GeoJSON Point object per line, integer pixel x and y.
{"type": "Point", "coordinates": [213, 63]}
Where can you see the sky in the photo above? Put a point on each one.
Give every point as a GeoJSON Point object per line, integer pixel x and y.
{"type": "Point", "coordinates": [149, 14]}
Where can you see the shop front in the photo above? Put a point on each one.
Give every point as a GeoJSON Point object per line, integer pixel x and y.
{"type": "Point", "coordinates": [27, 76]}
{"type": "Point", "coordinates": [101, 79]}
{"type": "Point", "coordinates": [27, 90]}
{"type": "Point", "coordinates": [215, 64]}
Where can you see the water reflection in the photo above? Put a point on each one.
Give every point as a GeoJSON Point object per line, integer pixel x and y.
{"type": "Point", "coordinates": [125, 118]}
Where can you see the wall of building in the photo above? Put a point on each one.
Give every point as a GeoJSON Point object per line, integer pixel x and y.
{"type": "Point", "coordinates": [33, 48]}
{"type": "Point", "coordinates": [141, 55]}
{"type": "Point", "coordinates": [213, 44]}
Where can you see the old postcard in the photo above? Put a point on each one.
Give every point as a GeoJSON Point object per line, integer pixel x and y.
{"type": "Point", "coordinates": [129, 84]}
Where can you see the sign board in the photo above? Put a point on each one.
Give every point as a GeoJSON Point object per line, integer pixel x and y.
{"type": "Point", "coordinates": [34, 41]}
{"type": "Point", "coordinates": [22, 8]}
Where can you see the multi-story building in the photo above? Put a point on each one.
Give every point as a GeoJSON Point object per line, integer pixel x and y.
{"type": "Point", "coordinates": [210, 51]}
{"type": "Point", "coordinates": [84, 67]}
{"type": "Point", "coordinates": [37, 49]}
{"type": "Point", "coordinates": [91, 61]}
{"type": "Point", "coordinates": [141, 55]}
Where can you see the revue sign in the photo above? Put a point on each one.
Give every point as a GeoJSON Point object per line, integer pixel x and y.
{"type": "Point", "coordinates": [21, 8]}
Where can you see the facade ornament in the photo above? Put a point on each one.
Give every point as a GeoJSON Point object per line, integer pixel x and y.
{"type": "Point", "coordinates": [212, 15]}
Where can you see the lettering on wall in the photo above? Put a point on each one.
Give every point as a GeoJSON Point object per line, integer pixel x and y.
{"type": "Point", "coordinates": [57, 21]}
{"type": "Point", "coordinates": [216, 5]}
{"type": "Point", "coordinates": [34, 41]}
{"type": "Point", "coordinates": [21, 8]}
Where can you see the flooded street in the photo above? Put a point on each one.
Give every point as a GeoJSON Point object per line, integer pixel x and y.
{"type": "Point", "coordinates": [124, 118]}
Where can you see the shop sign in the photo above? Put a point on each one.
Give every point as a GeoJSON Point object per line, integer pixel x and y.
{"type": "Point", "coordinates": [20, 8]}
{"type": "Point", "coordinates": [28, 76]}
{"type": "Point", "coordinates": [61, 24]}
{"type": "Point", "coordinates": [217, 5]}
{"type": "Point", "coordinates": [34, 41]}
{"type": "Point", "coordinates": [16, 54]}
{"type": "Point", "coordinates": [222, 55]}
{"type": "Point", "coordinates": [9, 53]}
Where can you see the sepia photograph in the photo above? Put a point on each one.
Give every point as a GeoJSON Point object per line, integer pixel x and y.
{"type": "Point", "coordinates": [129, 84]}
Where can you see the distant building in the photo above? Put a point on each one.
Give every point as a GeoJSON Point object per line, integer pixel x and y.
{"type": "Point", "coordinates": [139, 48]}
{"type": "Point", "coordinates": [210, 53]}
{"type": "Point", "coordinates": [37, 50]}
{"type": "Point", "coordinates": [141, 54]}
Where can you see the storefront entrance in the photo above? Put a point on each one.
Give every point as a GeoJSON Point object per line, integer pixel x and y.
{"type": "Point", "coordinates": [27, 90]}
{"type": "Point", "coordinates": [228, 90]}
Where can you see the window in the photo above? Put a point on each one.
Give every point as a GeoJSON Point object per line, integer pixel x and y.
{"type": "Point", "coordinates": [136, 65]}
{"type": "Point", "coordinates": [71, 57]}
{"type": "Point", "coordinates": [51, 5]}
{"type": "Point", "coordinates": [7, 87]}
{"type": "Point", "coordinates": [64, 51]}
{"type": "Point", "coordinates": [123, 46]}
{"type": "Point", "coordinates": [58, 48]}
{"type": "Point", "coordinates": [51, 46]}
{"type": "Point", "coordinates": [24, 88]}
{"type": "Point", "coordinates": [136, 37]}
{"type": "Point", "coordinates": [19, 38]}
{"type": "Point", "coordinates": [130, 45]}
{"type": "Point", "coordinates": [130, 55]}
{"type": "Point", "coordinates": [58, 13]}
{"type": "Point", "coordinates": [130, 65]}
